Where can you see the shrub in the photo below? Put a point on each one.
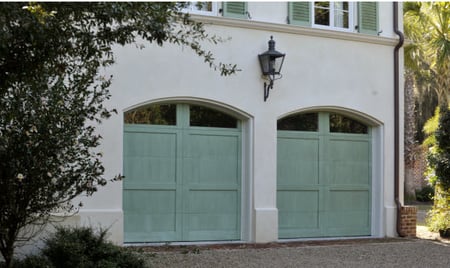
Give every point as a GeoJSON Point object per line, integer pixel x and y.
{"type": "Point", "coordinates": [83, 247]}
{"type": "Point", "coordinates": [438, 220]}
{"type": "Point", "coordinates": [439, 217]}
{"type": "Point", "coordinates": [80, 247]}
{"type": "Point", "coordinates": [439, 160]}
{"type": "Point", "coordinates": [442, 160]}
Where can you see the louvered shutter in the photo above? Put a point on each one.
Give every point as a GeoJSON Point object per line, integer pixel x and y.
{"type": "Point", "coordinates": [235, 10]}
{"type": "Point", "coordinates": [300, 13]}
{"type": "Point", "coordinates": [368, 17]}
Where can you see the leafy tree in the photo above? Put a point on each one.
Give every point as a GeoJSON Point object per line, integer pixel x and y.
{"type": "Point", "coordinates": [426, 25]}
{"type": "Point", "coordinates": [51, 97]}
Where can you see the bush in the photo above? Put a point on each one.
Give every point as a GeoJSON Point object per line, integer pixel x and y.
{"type": "Point", "coordinates": [439, 216]}
{"type": "Point", "coordinates": [425, 194]}
{"type": "Point", "coordinates": [81, 248]}
{"type": "Point", "coordinates": [438, 220]}
{"type": "Point", "coordinates": [442, 160]}
{"type": "Point", "coordinates": [439, 167]}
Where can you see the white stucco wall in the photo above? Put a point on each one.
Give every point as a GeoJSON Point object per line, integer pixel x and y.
{"type": "Point", "coordinates": [323, 70]}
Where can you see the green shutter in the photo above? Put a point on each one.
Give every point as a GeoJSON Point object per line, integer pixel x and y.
{"type": "Point", "coordinates": [368, 17]}
{"type": "Point", "coordinates": [235, 10]}
{"type": "Point", "coordinates": [299, 13]}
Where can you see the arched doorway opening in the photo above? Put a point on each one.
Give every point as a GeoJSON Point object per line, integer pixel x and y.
{"type": "Point", "coordinates": [182, 167]}
{"type": "Point", "coordinates": [324, 175]}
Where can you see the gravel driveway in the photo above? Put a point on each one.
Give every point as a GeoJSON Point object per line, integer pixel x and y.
{"type": "Point", "coordinates": [399, 252]}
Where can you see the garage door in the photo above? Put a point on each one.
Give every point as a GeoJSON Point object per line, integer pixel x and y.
{"type": "Point", "coordinates": [182, 174]}
{"type": "Point", "coordinates": [323, 176]}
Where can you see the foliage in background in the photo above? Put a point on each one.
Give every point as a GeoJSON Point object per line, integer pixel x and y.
{"type": "Point", "coordinates": [427, 56]}
{"type": "Point", "coordinates": [427, 25]}
{"type": "Point", "coordinates": [430, 129]}
{"type": "Point", "coordinates": [429, 142]}
{"type": "Point", "coordinates": [51, 97]}
{"type": "Point", "coordinates": [427, 65]}
{"type": "Point", "coordinates": [426, 194]}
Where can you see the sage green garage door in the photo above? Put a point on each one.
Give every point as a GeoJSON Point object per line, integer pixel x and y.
{"type": "Point", "coordinates": [323, 176]}
{"type": "Point", "coordinates": [182, 174]}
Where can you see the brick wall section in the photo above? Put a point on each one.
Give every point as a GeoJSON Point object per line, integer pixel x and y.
{"type": "Point", "coordinates": [408, 220]}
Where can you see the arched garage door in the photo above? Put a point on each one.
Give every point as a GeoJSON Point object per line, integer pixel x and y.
{"type": "Point", "coordinates": [323, 176]}
{"type": "Point", "coordinates": [182, 174]}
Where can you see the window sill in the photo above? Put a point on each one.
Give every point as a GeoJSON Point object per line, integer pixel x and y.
{"type": "Point", "coordinates": [294, 29]}
{"type": "Point", "coordinates": [193, 13]}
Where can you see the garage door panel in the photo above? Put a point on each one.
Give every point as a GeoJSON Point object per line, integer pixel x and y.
{"type": "Point", "coordinates": [150, 215]}
{"type": "Point", "coordinates": [350, 210]}
{"type": "Point", "coordinates": [211, 159]}
{"type": "Point", "coordinates": [298, 212]}
{"type": "Point", "coordinates": [349, 162]}
{"type": "Point", "coordinates": [301, 169]}
{"type": "Point", "coordinates": [149, 157]}
{"type": "Point", "coordinates": [212, 212]}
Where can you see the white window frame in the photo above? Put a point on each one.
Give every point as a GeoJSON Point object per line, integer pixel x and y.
{"type": "Point", "coordinates": [351, 18]}
{"type": "Point", "coordinates": [192, 10]}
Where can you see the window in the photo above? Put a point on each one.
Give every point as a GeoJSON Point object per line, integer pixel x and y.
{"type": "Point", "coordinates": [299, 122]}
{"type": "Point", "coordinates": [338, 15]}
{"type": "Point", "coordinates": [341, 16]}
{"type": "Point", "coordinates": [159, 114]}
{"type": "Point", "coordinates": [205, 117]}
{"type": "Point", "coordinates": [342, 124]}
{"type": "Point", "coordinates": [202, 8]}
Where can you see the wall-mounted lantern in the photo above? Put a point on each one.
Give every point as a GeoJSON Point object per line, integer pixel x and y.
{"type": "Point", "coordinates": [271, 62]}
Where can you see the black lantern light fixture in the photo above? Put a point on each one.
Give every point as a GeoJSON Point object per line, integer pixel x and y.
{"type": "Point", "coordinates": [271, 62]}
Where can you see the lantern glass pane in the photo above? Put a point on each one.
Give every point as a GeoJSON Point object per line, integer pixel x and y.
{"type": "Point", "coordinates": [264, 61]}
{"type": "Point", "coordinates": [278, 63]}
